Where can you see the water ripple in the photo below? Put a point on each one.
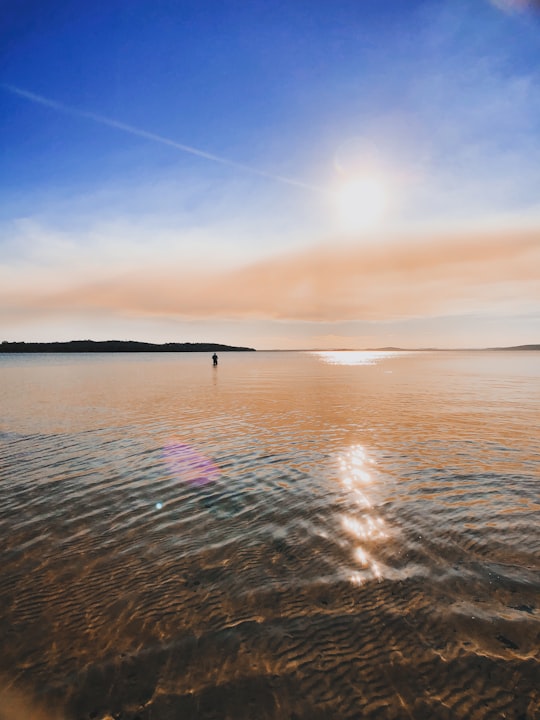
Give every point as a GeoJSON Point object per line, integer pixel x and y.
{"type": "Point", "coordinates": [286, 538]}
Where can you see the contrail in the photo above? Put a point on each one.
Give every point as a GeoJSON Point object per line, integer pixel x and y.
{"type": "Point", "coordinates": [110, 122]}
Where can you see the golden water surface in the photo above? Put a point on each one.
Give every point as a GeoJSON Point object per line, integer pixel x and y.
{"type": "Point", "coordinates": [287, 536]}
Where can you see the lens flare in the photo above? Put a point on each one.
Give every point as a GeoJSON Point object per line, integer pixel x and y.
{"type": "Point", "coordinates": [189, 465]}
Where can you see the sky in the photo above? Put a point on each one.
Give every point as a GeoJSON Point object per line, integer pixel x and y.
{"type": "Point", "coordinates": [301, 174]}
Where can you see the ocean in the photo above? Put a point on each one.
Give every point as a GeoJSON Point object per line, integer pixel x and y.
{"type": "Point", "coordinates": [294, 536]}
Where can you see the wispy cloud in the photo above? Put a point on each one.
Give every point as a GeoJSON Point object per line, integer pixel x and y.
{"type": "Point", "coordinates": [516, 6]}
{"type": "Point", "coordinates": [153, 137]}
{"type": "Point", "coordinates": [405, 278]}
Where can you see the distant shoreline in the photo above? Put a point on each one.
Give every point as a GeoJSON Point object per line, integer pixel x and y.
{"type": "Point", "coordinates": [400, 349]}
{"type": "Point", "coordinates": [110, 346]}
{"type": "Point", "coordinates": [488, 349]}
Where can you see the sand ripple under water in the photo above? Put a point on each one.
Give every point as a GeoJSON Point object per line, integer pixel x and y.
{"type": "Point", "coordinates": [289, 536]}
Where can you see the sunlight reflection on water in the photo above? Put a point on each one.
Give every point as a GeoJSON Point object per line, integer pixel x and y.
{"type": "Point", "coordinates": [357, 472]}
{"type": "Point", "coordinates": [358, 357]}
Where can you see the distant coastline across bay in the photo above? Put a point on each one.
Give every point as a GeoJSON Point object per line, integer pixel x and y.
{"type": "Point", "coordinates": [510, 347]}
{"type": "Point", "coordinates": [413, 349]}
{"type": "Point", "coordinates": [110, 346]}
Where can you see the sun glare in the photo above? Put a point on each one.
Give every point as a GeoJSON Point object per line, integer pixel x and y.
{"type": "Point", "coordinates": [361, 203]}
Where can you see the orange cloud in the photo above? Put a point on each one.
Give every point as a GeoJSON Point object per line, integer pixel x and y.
{"type": "Point", "coordinates": [398, 279]}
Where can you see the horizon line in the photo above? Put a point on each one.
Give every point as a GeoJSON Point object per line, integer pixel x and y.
{"type": "Point", "coordinates": [386, 348]}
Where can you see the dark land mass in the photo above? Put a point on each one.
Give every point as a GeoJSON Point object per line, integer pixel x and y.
{"type": "Point", "coordinates": [433, 349]}
{"type": "Point", "coordinates": [93, 346]}
{"type": "Point", "coordinates": [518, 347]}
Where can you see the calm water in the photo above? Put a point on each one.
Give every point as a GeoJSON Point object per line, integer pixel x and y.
{"type": "Point", "coordinates": [290, 535]}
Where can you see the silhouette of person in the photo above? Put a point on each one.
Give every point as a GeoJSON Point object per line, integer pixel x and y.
{"type": "Point", "coordinates": [215, 359]}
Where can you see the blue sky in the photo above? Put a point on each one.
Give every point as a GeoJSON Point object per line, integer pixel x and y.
{"type": "Point", "coordinates": [110, 226]}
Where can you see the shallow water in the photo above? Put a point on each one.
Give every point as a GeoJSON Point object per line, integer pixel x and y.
{"type": "Point", "coordinates": [290, 535]}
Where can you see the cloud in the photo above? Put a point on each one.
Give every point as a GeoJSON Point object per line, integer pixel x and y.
{"type": "Point", "coordinates": [153, 137]}
{"type": "Point", "coordinates": [402, 278]}
{"type": "Point", "coordinates": [513, 6]}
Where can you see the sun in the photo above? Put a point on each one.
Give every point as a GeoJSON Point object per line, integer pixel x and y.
{"type": "Point", "coordinates": [361, 203]}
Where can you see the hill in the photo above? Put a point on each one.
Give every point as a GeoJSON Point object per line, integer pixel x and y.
{"type": "Point", "coordinates": [91, 346]}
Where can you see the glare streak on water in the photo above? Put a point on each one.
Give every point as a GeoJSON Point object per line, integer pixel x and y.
{"type": "Point", "coordinates": [330, 535]}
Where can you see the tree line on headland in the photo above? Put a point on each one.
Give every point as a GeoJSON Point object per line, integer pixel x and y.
{"type": "Point", "coordinates": [89, 346]}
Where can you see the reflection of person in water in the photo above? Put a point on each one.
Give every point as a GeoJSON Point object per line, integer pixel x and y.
{"type": "Point", "coordinates": [215, 359]}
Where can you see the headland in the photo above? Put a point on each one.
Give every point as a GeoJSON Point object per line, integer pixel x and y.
{"type": "Point", "coordinates": [115, 346]}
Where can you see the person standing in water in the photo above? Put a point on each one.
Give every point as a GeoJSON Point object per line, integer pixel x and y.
{"type": "Point", "coordinates": [214, 359]}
